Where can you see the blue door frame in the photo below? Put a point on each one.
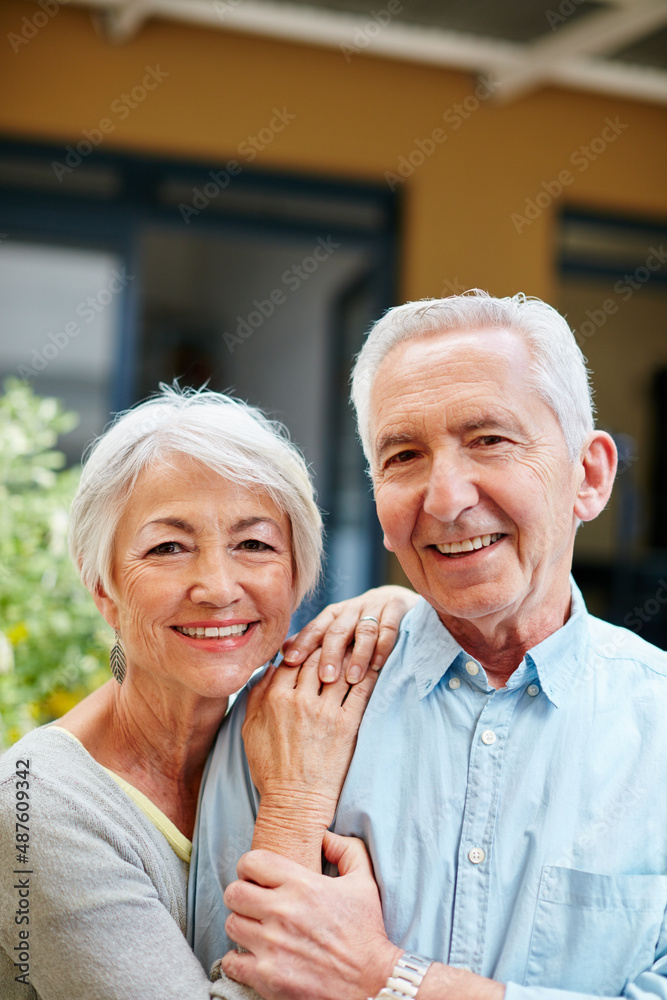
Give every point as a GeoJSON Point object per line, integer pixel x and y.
{"type": "Point", "coordinates": [116, 221]}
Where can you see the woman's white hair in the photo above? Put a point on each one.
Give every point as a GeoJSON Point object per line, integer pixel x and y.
{"type": "Point", "coordinates": [558, 368]}
{"type": "Point", "coordinates": [233, 439]}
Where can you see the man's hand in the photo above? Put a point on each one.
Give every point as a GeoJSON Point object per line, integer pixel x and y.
{"type": "Point", "coordinates": [307, 936]}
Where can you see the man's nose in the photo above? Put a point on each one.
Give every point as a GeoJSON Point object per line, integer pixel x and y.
{"type": "Point", "coordinates": [451, 488]}
{"type": "Point", "coordinates": [216, 580]}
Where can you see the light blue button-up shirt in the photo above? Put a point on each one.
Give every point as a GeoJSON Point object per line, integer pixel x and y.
{"type": "Point", "coordinates": [520, 832]}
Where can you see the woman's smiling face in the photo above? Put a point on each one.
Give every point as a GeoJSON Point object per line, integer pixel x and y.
{"type": "Point", "coordinates": [203, 579]}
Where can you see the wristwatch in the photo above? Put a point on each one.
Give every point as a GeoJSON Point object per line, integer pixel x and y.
{"type": "Point", "coordinates": [406, 978]}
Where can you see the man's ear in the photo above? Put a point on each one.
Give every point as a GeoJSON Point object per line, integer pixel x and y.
{"type": "Point", "coordinates": [387, 544]}
{"type": "Point", "coordinates": [105, 605]}
{"type": "Point", "coordinates": [598, 461]}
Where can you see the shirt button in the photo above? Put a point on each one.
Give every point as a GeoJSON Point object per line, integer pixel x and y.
{"type": "Point", "coordinates": [532, 690]}
{"type": "Point", "coordinates": [488, 737]}
{"type": "Point", "coordinates": [472, 668]}
{"type": "Point", "coordinates": [454, 683]}
{"type": "Point", "coordinates": [476, 855]}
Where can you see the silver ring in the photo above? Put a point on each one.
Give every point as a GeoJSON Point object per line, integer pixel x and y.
{"type": "Point", "coordinates": [369, 618]}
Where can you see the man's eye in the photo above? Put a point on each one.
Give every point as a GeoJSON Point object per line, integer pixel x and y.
{"type": "Point", "coordinates": [166, 549]}
{"type": "Point", "coordinates": [401, 456]}
{"type": "Point", "coordinates": [489, 439]}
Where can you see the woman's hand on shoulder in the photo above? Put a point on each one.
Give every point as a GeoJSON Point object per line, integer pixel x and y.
{"type": "Point", "coordinates": [352, 635]}
{"type": "Point", "coordinates": [300, 734]}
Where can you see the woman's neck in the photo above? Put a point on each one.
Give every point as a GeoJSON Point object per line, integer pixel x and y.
{"type": "Point", "coordinates": [158, 746]}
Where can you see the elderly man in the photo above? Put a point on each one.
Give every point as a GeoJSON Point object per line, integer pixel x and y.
{"type": "Point", "coordinates": [506, 776]}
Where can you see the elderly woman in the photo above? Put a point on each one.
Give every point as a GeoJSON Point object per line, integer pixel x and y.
{"type": "Point", "coordinates": [195, 530]}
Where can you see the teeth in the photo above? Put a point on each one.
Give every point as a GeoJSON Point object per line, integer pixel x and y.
{"type": "Point", "coordinates": [212, 632]}
{"type": "Point", "coordinates": [468, 544]}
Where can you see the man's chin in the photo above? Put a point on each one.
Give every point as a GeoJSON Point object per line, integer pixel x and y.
{"type": "Point", "coordinates": [475, 603]}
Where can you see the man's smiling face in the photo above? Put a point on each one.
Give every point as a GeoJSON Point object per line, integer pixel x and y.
{"type": "Point", "coordinates": [474, 487]}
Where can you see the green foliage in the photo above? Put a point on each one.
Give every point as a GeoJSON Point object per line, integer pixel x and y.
{"type": "Point", "coordinates": [53, 643]}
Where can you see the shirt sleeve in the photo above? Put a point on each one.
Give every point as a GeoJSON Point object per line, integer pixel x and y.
{"type": "Point", "coordinates": [225, 823]}
{"type": "Point", "coordinates": [97, 928]}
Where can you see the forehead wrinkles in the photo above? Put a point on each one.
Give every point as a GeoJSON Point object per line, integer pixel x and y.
{"type": "Point", "coordinates": [417, 387]}
{"type": "Point", "coordinates": [189, 491]}
{"type": "Point", "coordinates": [451, 353]}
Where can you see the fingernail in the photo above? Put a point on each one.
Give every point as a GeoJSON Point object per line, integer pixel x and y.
{"type": "Point", "coordinates": [328, 672]}
{"type": "Point", "coordinates": [353, 675]}
{"type": "Point", "coordinates": [293, 654]}
{"type": "Point", "coordinates": [377, 664]}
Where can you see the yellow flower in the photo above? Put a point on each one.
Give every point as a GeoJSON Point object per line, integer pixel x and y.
{"type": "Point", "coordinates": [60, 702]}
{"type": "Point", "coordinates": [17, 633]}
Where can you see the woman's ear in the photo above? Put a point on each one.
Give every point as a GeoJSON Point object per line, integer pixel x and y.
{"type": "Point", "coordinates": [598, 462]}
{"type": "Point", "coordinates": [105, 605]}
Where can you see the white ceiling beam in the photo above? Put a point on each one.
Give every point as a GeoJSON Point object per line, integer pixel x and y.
{"type": "Point", "coordinates": [603, 76]}
{"type": "Point", "coordinates": [122, 22]}
{"type": "Point", "coordinates": [350, 34]}
{"type": "Point", "coordinates": [597, 34]}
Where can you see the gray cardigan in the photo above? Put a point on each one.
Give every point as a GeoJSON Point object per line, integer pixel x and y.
{"type": "Point", "coordinates": [104, 893]}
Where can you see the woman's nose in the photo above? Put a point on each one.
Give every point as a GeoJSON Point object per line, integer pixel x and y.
{"type": "Point", "coordinates": [216, 580]}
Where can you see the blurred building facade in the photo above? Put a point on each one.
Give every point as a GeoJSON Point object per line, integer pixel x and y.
{"type": "Point", "coordinates": [203, 201]}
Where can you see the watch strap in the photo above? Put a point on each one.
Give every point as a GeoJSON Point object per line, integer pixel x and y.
{"type": "Point", "coordinates": [406, 978]}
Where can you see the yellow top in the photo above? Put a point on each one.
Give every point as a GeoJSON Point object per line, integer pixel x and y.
{"type": "Point", "coordinates": [176, 840]}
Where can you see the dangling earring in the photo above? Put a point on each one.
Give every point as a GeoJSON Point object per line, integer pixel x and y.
{"type": "Point", "coordinates": [117, 659]}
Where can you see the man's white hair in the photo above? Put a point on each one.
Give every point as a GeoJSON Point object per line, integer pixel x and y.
{"type": "Point", "coordinates": [558, 368]}
{"type": "Point", "coordinates": [233, 439]}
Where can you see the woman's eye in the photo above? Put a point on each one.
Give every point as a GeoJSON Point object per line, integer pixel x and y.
{"type": "Point", "coordinates": [166, 549]}
{"type": "Point", "coordinates": [254, 545]}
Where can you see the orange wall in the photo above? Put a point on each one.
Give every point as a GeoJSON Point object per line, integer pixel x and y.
{"type": "Point", "coordinates": [352, 120]}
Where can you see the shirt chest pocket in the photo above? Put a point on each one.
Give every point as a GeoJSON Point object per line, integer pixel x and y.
{"type": "Point", "coordinates": [594, 933]}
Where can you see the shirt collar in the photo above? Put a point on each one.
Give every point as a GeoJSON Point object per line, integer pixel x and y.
{"type": "Point", "coordinates": [434, 649]}
{"type": "Point", "coordinates": [555, 660]}
{"type": "Point", "coordinates": [564, 653]}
